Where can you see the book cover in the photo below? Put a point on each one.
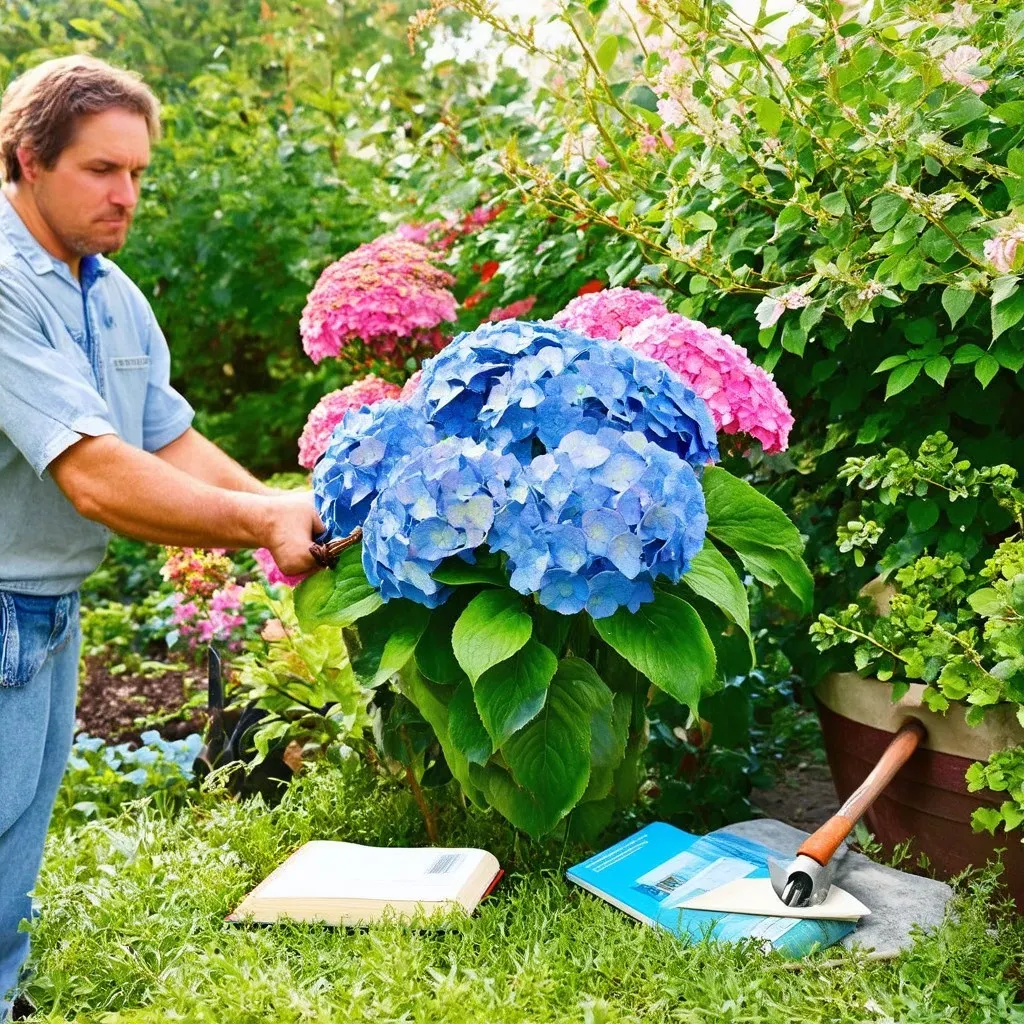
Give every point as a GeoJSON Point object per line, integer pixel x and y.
{"type": "Point", "coordinates": [649, 874]}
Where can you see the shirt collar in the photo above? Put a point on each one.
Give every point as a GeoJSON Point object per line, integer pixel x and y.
{"type": "Point", "coordinates": [41, 261]}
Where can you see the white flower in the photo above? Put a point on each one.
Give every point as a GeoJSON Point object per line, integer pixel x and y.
{"type": "Point", "coordinates": [771, 308]}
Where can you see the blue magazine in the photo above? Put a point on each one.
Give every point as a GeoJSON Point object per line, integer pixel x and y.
{"type": "Point", "coordinates": [651, 872]}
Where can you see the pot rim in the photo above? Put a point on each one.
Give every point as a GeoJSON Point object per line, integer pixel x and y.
{"type": "Point", "coordinates": [868, 701]}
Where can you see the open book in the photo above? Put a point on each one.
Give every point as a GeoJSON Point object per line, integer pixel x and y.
{"type": "Point", "coordinates": [662, 875]}
{"type": "Point", "coordinates": [348, 884]}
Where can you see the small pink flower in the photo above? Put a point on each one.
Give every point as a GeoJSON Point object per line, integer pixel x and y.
{"type": "Point", "coordinates": [601, 161]}
{"type": "Point", "coordinates": [330, 411]}
{"type": "Point", "coordinates": [741, 397]}
{"type": "Point", "coordinates": [954, 65]}
{"type": "Point", "coordinates": [411, 386]}
{"type": "Point", "coordinates": [274, 576]}
{"type": "Point", "coordinates": [667, 140]}
{"type": "Point", "coordinates": [514, 310]}
{"type": "Point", "coordinates": [771, 308]}
{"type": "Point", "coordinates": [1001, 251]}
{"type": "Point", "coordinates": [607, 313]}
{"type": "Point", "coordinates": [648, 143]}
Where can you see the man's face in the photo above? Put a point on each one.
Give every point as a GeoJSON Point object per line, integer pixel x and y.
{"type": "Point", "coordinates": [88, 197]}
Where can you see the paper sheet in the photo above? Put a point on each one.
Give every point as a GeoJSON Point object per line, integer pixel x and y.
{"type": "Point", "coordinates": [757, 896]}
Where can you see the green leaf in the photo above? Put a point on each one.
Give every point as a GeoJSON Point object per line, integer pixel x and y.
{"type": "Point", "coordinates": [985, 369]}
{"type": "Point", "coordinates": [886, 209]}
{"type": "Point", "coordinates": [388, 639]}
{"type": "Point", "coordinates": [1009, 356]}
{"type": "Point", "coordinates": [901, 378]}
{"type": "Point", "coordinates": [492, 628]}
{"type": "Point", "coordinates": [937, 368]}
{"type": "Point", "coordinates": [769, 114]}
{"type": "Point", "coordinates": [607, 52]}
{"type": "Point", "coordinates": [1012, 113]}
{"type": "Point", "coordinates": [336, 597]}
{"type": "Point", "coordinates": [455, 572]}
{"type": "Point", "coordinates": [987, 602]}
{"type": "Point", "coordinates": [667, 642]}
{"type": "Point", "coordinates": [835, 203]}
{"type": "Point", "coordinates": [890, 361]}
{"type": "Point", "coordinates": [433, 708]}
{"type": "Point", "coordinates": [1007, 312]}
{"type": "Point", "coordinates": [713, 578]}
{"type": "Point", "coordinates": [465, 727]}
{"type": "Point", "coordinates": [511, 694]}
{"type": "Point", "coordinates": [549, 760]}
{"type": "Point", "coordinates": [767, 543]}
{"type": "Point", "coordinates": [434, 655]}
{"type": "Point", "coordinates": [967, 354]}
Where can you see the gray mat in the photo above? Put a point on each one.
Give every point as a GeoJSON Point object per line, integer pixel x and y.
{"type": "Point", "coordinates": [898, 902]}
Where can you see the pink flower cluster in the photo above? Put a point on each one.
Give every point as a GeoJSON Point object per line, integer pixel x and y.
{"type": "Point", "coordinates": [331, 409]}
{"type": "Point", "coordinates": [274, 576]}
{"type": "Point", "coordinates": [606, 314]}
{"type": "Point", "coordinates": [513, 311]}
{"type": "Point", "coordinates": [1001, 251]}
{"type": "Point", "coordinates": [202, 623]}
{"type": "Point", "coordinates": [741, 397]}
{"type": "Point", "coordinates": [954, 68]}
{"type": "Point", "coordinates": [384, 291]}
{"type": "Point", "coordinates": [196, 572]}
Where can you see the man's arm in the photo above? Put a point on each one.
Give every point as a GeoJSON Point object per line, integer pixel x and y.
{"type": "Point", "coordinates": [135, 493]}
{"type": "Point", "coordinates": [202, 459]}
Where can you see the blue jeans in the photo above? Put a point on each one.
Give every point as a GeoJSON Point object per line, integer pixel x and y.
{"type": "Point", "coordinates": [39, 645]}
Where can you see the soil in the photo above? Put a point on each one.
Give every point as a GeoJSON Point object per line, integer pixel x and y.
{"type": "Point", "coordinates": [804, 797]}
{"type": "Point", "coordinates": [108, 705]}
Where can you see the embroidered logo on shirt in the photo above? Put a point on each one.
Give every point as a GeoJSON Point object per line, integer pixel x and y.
{"type": "Point", "coordinates": [130, 362]}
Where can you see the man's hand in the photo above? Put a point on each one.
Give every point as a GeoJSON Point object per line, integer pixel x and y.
{"type": "Point", "coordinates": [292, 527]}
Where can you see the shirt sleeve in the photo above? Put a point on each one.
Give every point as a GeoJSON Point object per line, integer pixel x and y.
{"type": "Point", "coordinates": [48, 402]}
{"type": "Point", "coordinates": [167, 415]}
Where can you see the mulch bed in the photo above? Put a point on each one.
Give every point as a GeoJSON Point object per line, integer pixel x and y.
{"type": "Point", "coordinates": [804, 797]}
{"type": "Point", "coordinates": [108, 705]}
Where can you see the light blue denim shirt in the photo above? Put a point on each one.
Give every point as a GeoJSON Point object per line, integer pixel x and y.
{"type": "Point", "coordinates": [77, 358]}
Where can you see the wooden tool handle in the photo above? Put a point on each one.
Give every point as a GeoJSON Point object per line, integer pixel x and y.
{"type": "Point", "coordinates": [822, 845]}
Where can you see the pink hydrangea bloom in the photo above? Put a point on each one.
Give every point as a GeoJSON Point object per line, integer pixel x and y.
{"type": "Point", "coordinates": [330, 411]}
{"type": "Point", "coordinates": [274, 576]}
{"type": "Point", "coordinates": [220, 620]}
{"type": "Point", "coordinates": [380, 293]}
{"type": "Point", "coordinates": [514, 310]}
{"type": "Point", "coordinates": [954, 65]}
{"type": "Point", "coordinates": [606, 314]}
{"type": "Point", "coordinates": [411, 386]}
{"type": "Point", "coordinates": [741, 397]}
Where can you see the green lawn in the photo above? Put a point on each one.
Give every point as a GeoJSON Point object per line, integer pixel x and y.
{"type": "Point", "coordinates": [132, 930]}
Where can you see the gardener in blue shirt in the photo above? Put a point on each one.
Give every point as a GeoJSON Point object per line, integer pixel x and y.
{"type": "Point", "coordinates": [92, 436]}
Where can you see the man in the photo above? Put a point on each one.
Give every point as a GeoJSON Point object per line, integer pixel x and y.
{"type": "Point", "coordinates": [92, 436]}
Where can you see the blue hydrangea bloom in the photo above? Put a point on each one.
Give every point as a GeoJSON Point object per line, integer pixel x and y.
{"type": "Point", "coordinates": [365, 447]}
{"type": "Point", "coordinates": [437, 504]}
{"type": "Point", "coordinates": [515, 382]}
{"type": "Point", "coordinates": [577, 459]}
{"type": "Point", "coordinates": [606, 515]}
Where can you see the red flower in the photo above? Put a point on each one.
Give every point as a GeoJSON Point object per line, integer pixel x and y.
{"type": "Point", "coordinates": [472, 300]}
{"type": "Point", "coordinates": [591, 286]}
{"type": "Point", "coordinates": [488, 270]}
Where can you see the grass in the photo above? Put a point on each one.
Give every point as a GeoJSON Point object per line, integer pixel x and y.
{"type": "Point", "coordinates": [132, 931]}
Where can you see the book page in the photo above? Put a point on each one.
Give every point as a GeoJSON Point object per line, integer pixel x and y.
{"type": "Point", "coordinates": [348, 871]}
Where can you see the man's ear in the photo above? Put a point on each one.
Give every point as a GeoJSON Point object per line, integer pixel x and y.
{"type": "Point", "coordinates": [29, 162]}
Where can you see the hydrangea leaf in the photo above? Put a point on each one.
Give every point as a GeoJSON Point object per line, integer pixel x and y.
{"type": "Point", "coordinates": [455, 572]}
{"type": "Point", "coordinates": [549, 760]}
{"type": "Point", "coordinates": [492, 628]}
{"type": "Point", "coordinates": [767, 543]}
{"type": "Point", "coordinates": [713, 578]}
{"type": "Point", "coordinates": [668, 643]}
{"type": "Point", "coordinates": [511, 694]}
{"type": "Point", "coordinates": [465, 727]}
{"type": "Point", "coordinates": [434, 655]}
{"type": "Point", "coordinates": [387, 640]}
{"type": "Point", "coordinates": [336, 597]}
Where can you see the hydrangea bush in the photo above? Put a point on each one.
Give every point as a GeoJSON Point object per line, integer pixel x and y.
{"type": "Point", "coordinates": [542, 540]}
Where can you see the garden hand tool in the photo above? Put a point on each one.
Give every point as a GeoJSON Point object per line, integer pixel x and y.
{"type": "Point", "coordinates": [807, 879]}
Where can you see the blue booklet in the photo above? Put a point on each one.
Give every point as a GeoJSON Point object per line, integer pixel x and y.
{"type": "Point", "coordinates": [651, 872]}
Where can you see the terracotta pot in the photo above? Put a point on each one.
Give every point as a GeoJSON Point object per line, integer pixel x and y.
{"type": "Point", "coordinates": [927, 802]}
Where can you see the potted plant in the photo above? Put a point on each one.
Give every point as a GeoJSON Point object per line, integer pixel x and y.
{"type": "Point", "coordinates": [939, 634]}
{"type": "Point", "coordinates": [543, 539]}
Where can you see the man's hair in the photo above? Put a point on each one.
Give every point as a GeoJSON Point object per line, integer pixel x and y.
{"type": "Point", "coordinates": [40, 108]}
